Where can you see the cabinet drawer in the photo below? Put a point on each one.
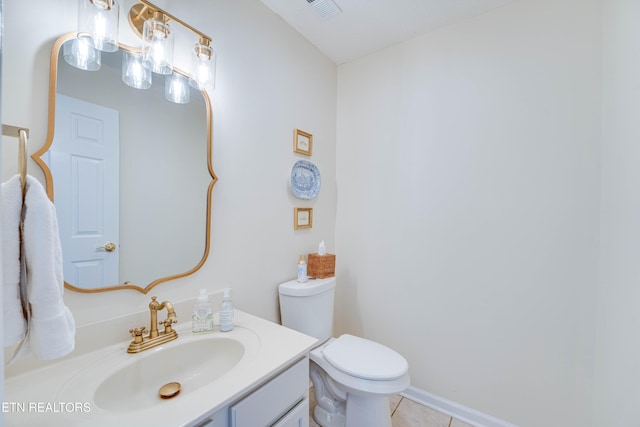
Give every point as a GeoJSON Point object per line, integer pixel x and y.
{"type": "Point", "coordinates": [271, 401]}
{"type": "Point", "coordinates": [218, 419]}
{"type": "Point", "coordinates": [297, 417]}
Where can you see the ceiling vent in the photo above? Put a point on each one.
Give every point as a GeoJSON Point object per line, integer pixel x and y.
{"type": "Point", "coordinates": [325, 8]}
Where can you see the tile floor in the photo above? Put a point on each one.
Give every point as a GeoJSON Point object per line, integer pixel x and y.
{"type": "Point", "coordinates": [406, 413]}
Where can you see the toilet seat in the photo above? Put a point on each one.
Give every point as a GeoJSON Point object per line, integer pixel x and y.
{"type": "Point", "coordinates": [352, 384]}
{"type": "Point", "coordinates": [365, 359]}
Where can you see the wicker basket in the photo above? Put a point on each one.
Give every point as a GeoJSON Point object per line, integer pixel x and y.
{"type": "Point", "coordinates": [321, 266]}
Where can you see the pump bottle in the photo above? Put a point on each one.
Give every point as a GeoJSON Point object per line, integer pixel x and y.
{"type": "Point", "coordinates": [226, 312]}
{"type": "Point", "coordinates": [202, 315]}
{"type": "Point", "coordinates": [302, 269]}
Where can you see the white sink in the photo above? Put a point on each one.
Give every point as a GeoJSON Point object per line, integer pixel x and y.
{"type": "Point", "coordinates": [193, 364]}
{"type": "Point", "coordinates": [121, 382]}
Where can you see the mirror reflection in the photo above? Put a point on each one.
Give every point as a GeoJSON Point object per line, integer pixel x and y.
{"type": "Point", "coordinates": [130, 176]}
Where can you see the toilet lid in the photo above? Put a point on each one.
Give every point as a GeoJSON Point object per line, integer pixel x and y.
{"type": "Point", "coordinates": [365, 359]}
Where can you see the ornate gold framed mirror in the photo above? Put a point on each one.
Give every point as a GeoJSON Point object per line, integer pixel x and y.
{"type": "Point", "coordinates": [125, 156]}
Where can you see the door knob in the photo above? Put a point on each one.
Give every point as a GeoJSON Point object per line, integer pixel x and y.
{"type": "Point", "coordinates": [109, 247]}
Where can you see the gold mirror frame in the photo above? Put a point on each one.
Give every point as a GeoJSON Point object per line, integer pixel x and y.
{"type": "Point", "coordinates": [37, 157]}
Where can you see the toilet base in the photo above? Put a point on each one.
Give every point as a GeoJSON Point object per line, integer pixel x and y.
{"type": "Point", "coordinates": [372, 411]}
{"type": "Point", "coordinates": [337, 407]}
{"type": "Point", "coordinates": [361, 411]}
{"type": "Point", "coordinates": [325, 418]}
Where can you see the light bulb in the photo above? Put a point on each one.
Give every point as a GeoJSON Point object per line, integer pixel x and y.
{"type": "Point", "coordinates": [176, 89]}
{"type": "Point", "coordinates": [133, 73]}
{"type": "Point", "coordinates": [81, 55]}
{"type": "Point", "coordinates": [203, 66]}
{"type": "Point", "coordinates": [157, 45]}
{"type": "Point", "coordinates": [98, 22]}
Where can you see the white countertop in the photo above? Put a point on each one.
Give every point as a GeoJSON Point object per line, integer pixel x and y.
{"type": "Point", "coordinates": [33, 396]}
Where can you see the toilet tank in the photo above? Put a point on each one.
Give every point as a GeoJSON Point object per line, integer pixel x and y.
{"type": "Point", "coordinates": [308, 307]}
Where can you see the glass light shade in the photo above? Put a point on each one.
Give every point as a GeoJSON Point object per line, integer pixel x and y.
{"type": "Point", "coordinates": [81, 55]}
{"type": "Point", "coordinates": [176, 89]}
{"type": "Point", "coordinates": [134, 74]}
{"type": "Point", "coordinates": [98, 22]}
{"type": "Point", "coordinates": [203, 67]}
{"type": "Point", "coordinates": [157, 46]}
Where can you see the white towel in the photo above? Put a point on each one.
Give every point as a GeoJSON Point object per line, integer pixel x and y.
{"type": "Point", "coordinates": [14, 321]}
{"type": "Point", "coordinates": [52, 328]}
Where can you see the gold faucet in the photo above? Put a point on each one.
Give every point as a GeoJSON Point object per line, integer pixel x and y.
{"type": "Point", "coordinates": [155, 338]}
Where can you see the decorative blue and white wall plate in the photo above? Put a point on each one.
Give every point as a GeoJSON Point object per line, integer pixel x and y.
{"type": "Point", "coordinates": [305, 180]}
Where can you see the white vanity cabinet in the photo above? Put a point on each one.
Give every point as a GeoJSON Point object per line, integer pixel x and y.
{"type": "Point", "coordinates": [283, 401]}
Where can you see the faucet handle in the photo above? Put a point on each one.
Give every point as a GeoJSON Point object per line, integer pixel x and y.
{"type": "Point", "coordinates": [167, 324]}
{"type": "Point", "coordinates": [136, 333]}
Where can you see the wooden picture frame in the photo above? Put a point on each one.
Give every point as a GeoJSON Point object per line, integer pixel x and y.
{"type": "Point", "coordinates": [302, 218]}
{"type": "Point", "coordinates": [302, 142]}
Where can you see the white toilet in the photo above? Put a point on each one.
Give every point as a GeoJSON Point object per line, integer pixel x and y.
{"type": "Point", "coordinates": [352, 377]}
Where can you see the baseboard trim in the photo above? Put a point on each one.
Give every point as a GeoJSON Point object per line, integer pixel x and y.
{"type": "Point", "coordinates": [456, 410]}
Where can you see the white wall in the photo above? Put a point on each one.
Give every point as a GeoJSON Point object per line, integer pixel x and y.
{"type": "Point", "coordinates": [617, 368]}
{"type": "Point", "coordinates": [468, 207]}
{"type": "Point", "coordinates": [270, 80]}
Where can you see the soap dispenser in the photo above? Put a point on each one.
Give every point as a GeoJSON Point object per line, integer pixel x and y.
{"type": "Point", "coordinates": [226, 312]}
{"type": "Point", "coordinates": [302, 269]}
{"type": "Point", "coordinates": [202, 315]}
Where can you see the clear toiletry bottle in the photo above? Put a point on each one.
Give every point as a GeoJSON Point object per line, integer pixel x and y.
{"type": "Point", "coordinates": [202, 315]}
{"type": "Point", "coordinates": [302, 269]}
{"type": "Point", "coordinates": [226, 312]}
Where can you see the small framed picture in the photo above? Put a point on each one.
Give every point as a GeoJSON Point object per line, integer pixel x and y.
{"type": "Point", "coordinates": [302, 218]}
{"type": "Point", "coordinates": [302, 142]}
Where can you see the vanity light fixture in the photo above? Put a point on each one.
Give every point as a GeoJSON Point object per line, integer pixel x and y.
{"type": "Point", "coordinates": [98, 22]}
{"type": "Point", "coordinates": [98, 29]}
{"type": "Point", "coordinates": [152, 24]}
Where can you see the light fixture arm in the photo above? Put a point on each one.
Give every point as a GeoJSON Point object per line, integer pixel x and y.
{"type": "Point", "coordinates": [145, 10]}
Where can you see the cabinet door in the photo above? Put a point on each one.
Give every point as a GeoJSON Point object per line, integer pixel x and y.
{"type": "Point", "coordinates": [297, 417]}
{"type": "Point", "coordinates": [270, 402]}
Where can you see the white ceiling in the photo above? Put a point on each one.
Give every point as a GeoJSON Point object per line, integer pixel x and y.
{"type": "Point", "coordinates": [365, 26]}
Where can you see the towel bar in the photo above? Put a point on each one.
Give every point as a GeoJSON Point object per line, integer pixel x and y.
{"type": "Point", "coordinates": [23, 135]}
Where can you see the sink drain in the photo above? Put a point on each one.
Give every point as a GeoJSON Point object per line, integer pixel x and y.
{"type": "Point", "coordinates": [169, 390]}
